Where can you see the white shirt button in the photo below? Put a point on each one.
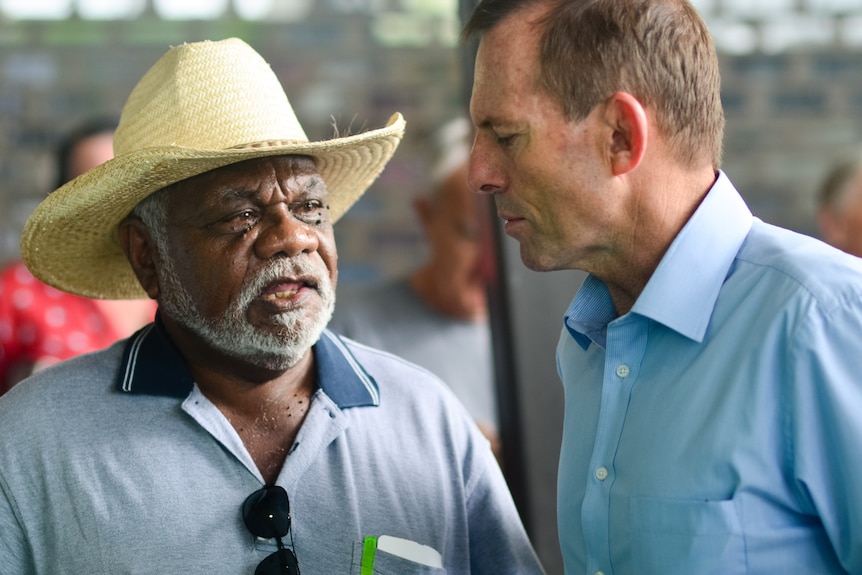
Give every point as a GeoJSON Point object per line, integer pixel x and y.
{"type": "Point", "coordinates": [602, 473]}
{"type": "Point", "coordinates": [600, 573]}
{"type": "Point", "coordinates": [623, 370]}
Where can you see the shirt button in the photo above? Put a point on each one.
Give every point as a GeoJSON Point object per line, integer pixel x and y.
{"type": "Point", "coordinates": [599, 573]}
{"type": "Point", "coordinates": [602, 473]}
{"type": "Point", "coordinates": [623, 370]}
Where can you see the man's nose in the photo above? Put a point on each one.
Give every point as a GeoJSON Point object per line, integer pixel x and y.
{"type": "Point", "coordinates": [282, 233]}
{"type": "Point", "coordinates": [483, 175]}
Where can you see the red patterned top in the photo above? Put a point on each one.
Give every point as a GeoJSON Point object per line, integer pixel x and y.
{"type": "Point", "coordinates": [40, 325]}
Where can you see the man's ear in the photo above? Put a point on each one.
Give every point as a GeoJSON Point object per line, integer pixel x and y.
{"type": "Point", "coordinates": [628, 119]}
{"type": "Point", "coordinates": [140, 250]}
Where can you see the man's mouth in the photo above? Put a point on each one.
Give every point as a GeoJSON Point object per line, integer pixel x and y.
{"type": "Point", "coordinates": [509, 218]}
{"type": "Point", "coordinates": [284, 289]}
{"type": "Point", "coordinates": [506, 216]}
{"type": "Point", "coordinates": [287, 294]}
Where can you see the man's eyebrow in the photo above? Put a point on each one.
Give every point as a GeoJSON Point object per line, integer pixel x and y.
{"type": "Point", "coordinates": [232, 192]}
{"type": "Point", "coordinates": [489, 123]}
{"type": "Point", "coordinates": [315, 184]}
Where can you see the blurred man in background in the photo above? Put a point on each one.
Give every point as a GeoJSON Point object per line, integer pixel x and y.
{"type": "Point", "coordinates": [437, 316]}
{"type": "Point", "coordinates": [839, 215]}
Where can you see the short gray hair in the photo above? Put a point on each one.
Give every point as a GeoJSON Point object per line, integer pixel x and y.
{"type": "Point", "coordinates": [153, 212]}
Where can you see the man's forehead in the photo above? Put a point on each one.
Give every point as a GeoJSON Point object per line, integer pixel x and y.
{"type": "Point", "coordinates": [293, 162]}
{"type": "Point", "coordinates": [506, 63]}
{"type": "Point", "coordinates": [257, 169]}
{"type": "Point", "coordinates": [247, 179]}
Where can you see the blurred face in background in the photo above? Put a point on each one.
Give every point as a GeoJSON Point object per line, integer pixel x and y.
{"type": "Point", "coordinates": [91, 152]}
{"type": "Point", "coordinates": [457, 231]}
{"type": "Point", "coordinates": [841, 220]}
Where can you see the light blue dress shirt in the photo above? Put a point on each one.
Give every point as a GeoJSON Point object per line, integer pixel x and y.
{"type": "Point", "coordinates": [717, 427]}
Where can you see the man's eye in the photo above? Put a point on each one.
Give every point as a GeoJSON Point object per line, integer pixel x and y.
{"type": "Point", "coordinates": [310, 206]}
{"type": "Point", "coordinates": [240, 222]}
{"type": "Point", "coordinates": [504, 140]}
{"type": "Point", "coordinates": [310, 211]}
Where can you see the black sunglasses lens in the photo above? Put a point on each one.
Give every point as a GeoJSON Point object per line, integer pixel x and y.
{"type": "Point", "coordinates": [266, 512]}
{"type": "Point", "coordinates": [282, 562]}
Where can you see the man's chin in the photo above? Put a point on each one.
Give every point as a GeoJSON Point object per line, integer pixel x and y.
{"type": "Point", "coordinates": [270, 353]}
{"type": "Point", "coordinates": [274, 362]}
{"type": "Point", "coordinates": [278, 347]}
{"type": "Point", "coordinates": [536, 260]}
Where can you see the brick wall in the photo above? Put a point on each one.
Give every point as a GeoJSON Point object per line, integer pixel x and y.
{"type": "Point", "coordinates": [790, 112]}
{"type": "Point", "coordinates": [789, 116]}
{"type": "Point", "coordinates": [350, 67]}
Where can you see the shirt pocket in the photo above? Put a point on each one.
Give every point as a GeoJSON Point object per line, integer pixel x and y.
{"type": "Point", "coordinates": [388, 564]}
{"type": "Point", "coordinates": [671, 536]}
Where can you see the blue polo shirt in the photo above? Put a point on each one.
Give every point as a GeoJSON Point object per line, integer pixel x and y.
{"type": "Point", "coordinates": [115, 462]}
{"type": "Point", "coordinates": [716, 427]}
{"type": "Point", "coordinates": [152, 365]}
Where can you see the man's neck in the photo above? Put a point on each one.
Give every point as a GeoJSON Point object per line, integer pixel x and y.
{"type": "Point", "coordinates": [669, 204]}
{"type": "Point", "coordinates": [267, 415]}
{"type": "Point", "coordinates": [266, 406]}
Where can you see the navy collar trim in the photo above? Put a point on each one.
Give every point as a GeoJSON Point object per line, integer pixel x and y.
{"type": "Point", "coordinates": [153, 365]}
{"type": "Point", "coordinates": [341, 376]}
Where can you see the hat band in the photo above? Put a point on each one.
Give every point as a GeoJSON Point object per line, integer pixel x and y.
{"type": "Point", "coordinates": [269, 144]}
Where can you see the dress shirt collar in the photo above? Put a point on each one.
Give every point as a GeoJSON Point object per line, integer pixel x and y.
{"type": "Point", "coordinates": [683, 290]}
{"type": "Point", "coordinates": [152, 365]}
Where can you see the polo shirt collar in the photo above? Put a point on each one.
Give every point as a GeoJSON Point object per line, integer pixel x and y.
{"type": "Point", "coordinates": [682, 292]}
{"type": "Point", "coordinates": [152, 365]}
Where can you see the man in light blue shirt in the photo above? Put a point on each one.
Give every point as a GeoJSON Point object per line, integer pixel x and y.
{"type": "Point", "coordinates": [710, 361]}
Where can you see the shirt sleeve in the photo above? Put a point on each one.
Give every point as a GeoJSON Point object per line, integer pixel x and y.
{"type": "Point", "coordinates": [498, 542]}
{"type": "Point", "coordinates": [824, 426]}
{"type": "Point", "coordinates": [15, 554]}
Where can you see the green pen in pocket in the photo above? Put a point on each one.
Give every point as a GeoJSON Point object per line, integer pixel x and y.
{"type": "Point", "coordinates": [369, 548]}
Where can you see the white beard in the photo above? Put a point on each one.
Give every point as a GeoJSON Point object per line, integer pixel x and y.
{"type": "Point", "coordinates": [233, 334]}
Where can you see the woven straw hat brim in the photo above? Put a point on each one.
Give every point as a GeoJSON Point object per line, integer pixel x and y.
{"type": "Point", "coordinates": [70, 241]}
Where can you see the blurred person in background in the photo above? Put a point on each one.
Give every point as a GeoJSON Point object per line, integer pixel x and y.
{"type": "Point", "coordinates": [839, 215]}
{"type": "Point", "coordinates": [437, 316]}
{"type": "Point", "coordinates": [40, 325]}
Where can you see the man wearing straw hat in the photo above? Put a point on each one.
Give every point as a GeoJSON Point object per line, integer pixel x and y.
{"type": "Point", "coordinates": [235, 434]}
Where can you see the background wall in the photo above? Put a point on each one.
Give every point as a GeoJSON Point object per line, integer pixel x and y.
{"type": "Point", "coordinates": [791, 108]}
{"type": "Point", "coordinates": [792, 88]}
{"type": "Point", "coordinates": [354, 63]}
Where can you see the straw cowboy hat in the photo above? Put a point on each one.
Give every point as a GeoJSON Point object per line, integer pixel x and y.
{"type": "Point", "coordinates": [202, 106]}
